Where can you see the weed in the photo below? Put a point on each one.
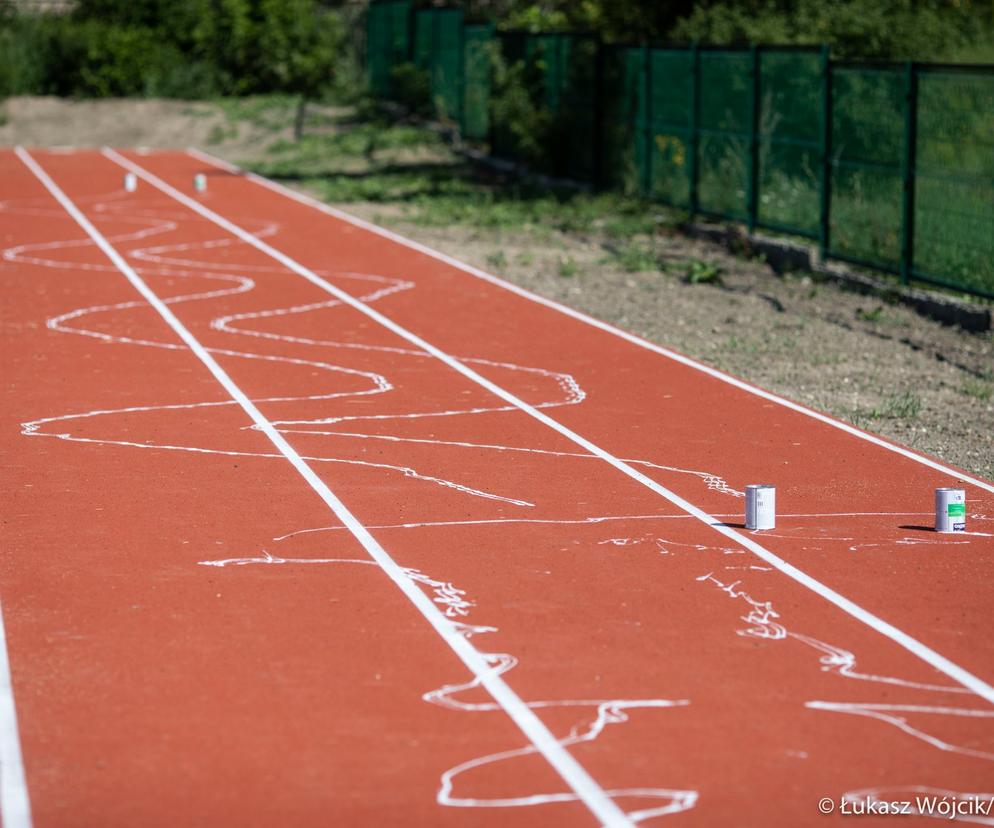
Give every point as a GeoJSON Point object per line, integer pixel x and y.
{"type": "Point", "coordinates": [874, 315]}
{"type": "Point", "coordinates": [819, 360]}
{"type": "Point", "coordinates": [978, 389]}
{"type": "Point", "coordinates": [526, 258]}
{"type": "Point", "coordinates": [699, 272]}
{"type": "Point", "coordinates": [197, 111]}
{"type": "Point", "coordinates": [904, 406]}
{"type": "Point", "coordinates": [219, 134]}
{"type": "Point", "coordinates": [497, 260]}
{"type": "Point", "coordinates": [745, 346]}
{"type": "Point", "coordinates": [568, 267]}
{"type": "Point", "coordinates": [636, 258]}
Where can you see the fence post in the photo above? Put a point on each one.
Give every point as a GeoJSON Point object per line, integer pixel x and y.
{"type": "Point", "coordinates": [433, 61]}
{"type": "Point", "coordinates": [695, 123]}
{"type": "Point", "coordinates": [908, 171]}
{"type": "Point", "coordinates": [599, 126]}
{"type": "Point", "coordinates": [647, 114]}
{"type": "Point", "coordinates": [461, 79]}
{"type": "Point", "coordinates": [388, 81]}
{"type": "Point", "coordinates": [825, 181]}
{"type": "Point", "coordinates": [752, 193]}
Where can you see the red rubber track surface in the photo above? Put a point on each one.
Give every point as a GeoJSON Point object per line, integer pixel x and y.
{"type": "Point", "coordinates": [154, 690]}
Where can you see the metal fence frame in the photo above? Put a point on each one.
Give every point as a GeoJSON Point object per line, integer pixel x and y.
{"type": "Point", "coordinates": [653, 141]}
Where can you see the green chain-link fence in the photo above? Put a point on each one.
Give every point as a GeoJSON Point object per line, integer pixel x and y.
{"type": "Point", "coordinates": [886, 166]}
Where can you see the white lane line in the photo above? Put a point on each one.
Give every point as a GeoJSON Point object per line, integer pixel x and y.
{"type": "Point", "coordinates": [912, 645]}
{"type": "Point", "coordinates": [596, 323]}
{"type": "Point", "coordinates": [15, 806]}
{"type": "Point", "coordinates": [572, 773]}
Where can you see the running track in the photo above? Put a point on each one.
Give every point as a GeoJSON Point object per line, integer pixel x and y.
{"type": "Point", "coordinates": [306, 525]}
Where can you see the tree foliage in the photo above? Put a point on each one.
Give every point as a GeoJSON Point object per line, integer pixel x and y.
{"type": "Point", "coordinates": [922, 29]}
{"type": "Point", "coordinates": [180, 48]}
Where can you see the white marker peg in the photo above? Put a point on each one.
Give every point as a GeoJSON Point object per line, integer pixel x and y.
{"type": "Point", "coordinates": [130, 182]}
{"type": "Point", "coordinates": [200, 183]}
{"type": "Point", "coordinates": [950, 510]}
{"type": "Point", "coordinates": [761, 506]}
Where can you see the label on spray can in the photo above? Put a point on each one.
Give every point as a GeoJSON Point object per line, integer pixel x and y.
{"type": "Point", "coordinates": [761, 506]}
{"type": "Point", "coordinates": [950, 510]}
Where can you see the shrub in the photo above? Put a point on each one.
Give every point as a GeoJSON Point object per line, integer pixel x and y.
{"type": "Point", "coordinates": [173, 48]}
{"type": "Point", "coordinates": [411, 87]}
{"type": "Point", "coordinates": [522, 123]}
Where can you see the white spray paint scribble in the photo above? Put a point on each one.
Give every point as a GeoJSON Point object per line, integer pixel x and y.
{"type": "Point", "coordinates": [608, 712]}
{"type": "Point", "coordinates": [762, 622]}
{"type": "Point", "coordinates": [177, 261]}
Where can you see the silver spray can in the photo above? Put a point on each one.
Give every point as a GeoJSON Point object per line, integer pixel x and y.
{"type": "Point", "coordinates": [950, 510]}
{"type": "Point", "coordinates": [130, 182]}
{"type": "Point", "coordinates": [761, 506]}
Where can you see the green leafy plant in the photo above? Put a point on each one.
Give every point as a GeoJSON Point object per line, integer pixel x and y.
{"type": "Point", "coordinates": [699, 272]}
{"type": "Point", "coordinates": [874, 315]}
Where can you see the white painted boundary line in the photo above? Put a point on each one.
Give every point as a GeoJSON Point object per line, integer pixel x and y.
{"type": "Point", "coordinates": [574, 775]}
{"type": "Point", "coordinates": [15, 806]}
{"type": "Point", "coordinates": [596, 323]}
{"type": "Point", "coordinates": [922, 651]}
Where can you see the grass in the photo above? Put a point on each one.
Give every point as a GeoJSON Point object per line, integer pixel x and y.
{"type": "Point", "coordinates": [221, 133]}
{"type": "Point", "coordinates": [497, 260]}
{"type": "Point", "coordinates": [367, 158]}
{"type": "Point", "coordinates": [362, 156]}
{"type": "Point", "coordinates": [198, 111]}
{"type": "Point", "coordinates": [568, 267]}
{"type": "Point", "coordinates": [905, 405]}
{"type": "Point", "coordinates": [978, 389]}
{"type": "Point", "coordinates": [271, 112]}
{"type": "Point", "coordinates": [740, 345]}
{"type": "Point", "coordinates": [635, 257]}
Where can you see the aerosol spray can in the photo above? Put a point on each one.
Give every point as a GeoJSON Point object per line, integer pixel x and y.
{"type": "Point", "coordinates": [130, 182]}
{"type": "Point", "coordinates": [761, 506]}
{"type": "Point", "coordinates": [200, 183]}
{"type": "Point", "coordinates": [950, 510]}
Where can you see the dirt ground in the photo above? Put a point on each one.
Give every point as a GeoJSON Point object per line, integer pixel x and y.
{"type": "Point", "coordinates": [874, 364]}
